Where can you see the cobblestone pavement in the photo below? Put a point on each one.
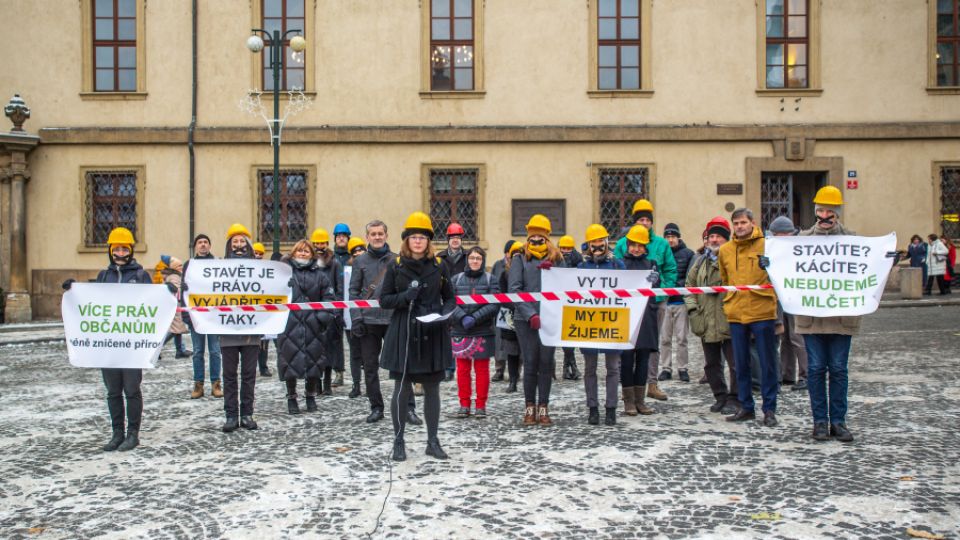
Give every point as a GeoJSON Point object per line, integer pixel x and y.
{"type": "Point", "coordinates": [683, 473]}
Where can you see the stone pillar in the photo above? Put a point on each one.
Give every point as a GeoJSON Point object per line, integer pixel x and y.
{"type": "Point", "coordinates": [17, 144]}
{"type": "Point", "coordinates": [911, 283]}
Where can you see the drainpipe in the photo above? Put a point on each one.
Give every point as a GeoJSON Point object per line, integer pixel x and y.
{"type": "Point", "coordinates": [192, 128]}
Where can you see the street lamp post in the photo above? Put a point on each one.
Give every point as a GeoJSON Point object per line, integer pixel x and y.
{"type": "Point", "coordinates": [275, 41]}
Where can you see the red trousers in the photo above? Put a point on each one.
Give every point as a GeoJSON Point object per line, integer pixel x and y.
{"type": "Point", "coordinates": [482, 368]}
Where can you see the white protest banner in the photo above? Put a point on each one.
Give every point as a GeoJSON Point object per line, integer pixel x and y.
{"type": "Point", "coordinates": [112, 325]}
{"type": "Point", "coordinates": [347, 274]}
{"type": "Point", "coordinates": [829, 276]}
{"type": "Point", "coordinates": [598, 323]}
{"type": "Point", "coordinates": [237, 282]}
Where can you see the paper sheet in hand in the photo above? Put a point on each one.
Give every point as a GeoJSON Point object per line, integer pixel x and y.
{"type": "Point", "coordinates": [434, 317]}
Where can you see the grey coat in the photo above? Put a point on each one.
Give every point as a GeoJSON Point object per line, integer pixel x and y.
{"type": "Point", "coordinates": [366, 268]}
{"type": "Point", "coordinates": [525, 277]}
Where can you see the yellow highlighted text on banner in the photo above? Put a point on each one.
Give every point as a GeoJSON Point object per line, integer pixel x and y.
{"type": "Point", "coordinates": [211, 300]}
{"type": "Point", "coordinates": [596, 325]}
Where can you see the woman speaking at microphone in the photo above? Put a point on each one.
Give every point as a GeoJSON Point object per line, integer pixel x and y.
{"type": "Point", "coordinates": [416, 284]}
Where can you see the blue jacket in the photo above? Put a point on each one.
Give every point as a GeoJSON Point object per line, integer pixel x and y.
{"type": "Point", "coordinates": [917, 254]}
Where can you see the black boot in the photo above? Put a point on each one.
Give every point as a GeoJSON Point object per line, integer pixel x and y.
{"type": "Point", "coordinates": [292, 406]}
{"type": "Point", "coordinates": [231, 424]}
{"type": "Point", "coordinates": [376, 414]}
{"type": "Point", "coordinates": [512, 387]}
{"type": "Point", "coordinates": [433, 449]}
{"type": "Point", "coordinates": [247, 422]}
{"type": "Point", "coordinates": [114, 441]}
{"type": "Point", "coordinates": [498, 375]}
{"type": "Point", "coordinates": [132, 441]}
{"type": "Point", "coordinates": [574, 372]}
{"type": "Point", "coordinates": [594, 417]}
{"type": "Point", "coordinates": [611, 418]}
{"type": "Point", "coordinates": [355, 391]}
{"type": "Point", "coordinates": [399, 449]}
{"type": "Point", "coordinates": [413, 419]}
{"type": "Point", "coordinates": [311, 404]}
{"type": "Point", "coordinates": [328, 383]}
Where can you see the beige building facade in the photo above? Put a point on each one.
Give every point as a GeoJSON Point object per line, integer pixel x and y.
{"type": "Point", "coordinates": [476, 110]}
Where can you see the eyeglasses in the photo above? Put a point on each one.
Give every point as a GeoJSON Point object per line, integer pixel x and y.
{"type": "Point", "coordinates": [417, 238]}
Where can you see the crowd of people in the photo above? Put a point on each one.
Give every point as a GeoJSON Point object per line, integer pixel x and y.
{"type": "Point", "coordinates": [937, 258]}
{"type": "Point", "coordinates": [746, 338]}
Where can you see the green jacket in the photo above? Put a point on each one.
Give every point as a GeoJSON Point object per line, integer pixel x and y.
{"type": "Point", "coordinates": [659, 252]}
{"type": "Point", "coordinates": [705, 311]}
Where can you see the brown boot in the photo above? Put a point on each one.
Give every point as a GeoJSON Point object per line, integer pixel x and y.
{"type": "Point", "coordinates": [197, 390]}
{"type": "Point", "coordinates": [641, 407]}
{"type": "Point", "coordinates": [653, 391]}
{"type": "Point", "coordinates": [629, 400]}
{"type": "Point", "coordinates": [529, 416]}
{"type": "Point", "coordinates": [542, 417]}
{"type": "Point", "coordinates": [217, 390]}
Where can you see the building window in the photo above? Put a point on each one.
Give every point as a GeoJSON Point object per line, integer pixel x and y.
{"type": "Point", "coordinates": [451, 45]}
{"type": "Point", "coordinates": [284, 15]}
{"type": "Point", "coordinates": [787, 30]}
{"type": "Point", "coordinates": [293, 205]}
{"type": "Point", "coordinates": [111, 201]}
{"type": "Point", "coordinates": [619, 189]}
{"type": "Point", "coordinates": [948, 43]}
{"type": "Point", "coordinates": [112, 51]}
{"type": "Point", "coordinates": [453, 198]}
{"type": "Point", "coordinates": [618, 45]}
{"type": "Point", "coordinates": [950, 201]}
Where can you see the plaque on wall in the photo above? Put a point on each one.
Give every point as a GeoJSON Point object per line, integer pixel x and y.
{"type": "Point", "coordinates": [554, 209]}
{"type": "Point", "coordinates": [729, 189]}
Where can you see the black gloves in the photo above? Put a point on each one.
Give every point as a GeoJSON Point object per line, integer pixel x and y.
{"type": "Point", "coordinates": [895, 255]}
{"type": "Point", "coordinates": [358, 329]}
{"type": "Point", "coordinates": [412, 294]}
{"type": "Point", "coordinates": [68, 283]}
{"type": "Point", "coordinates": [172, 288]}
{"type": "Point", "coordinates": [763, 262]}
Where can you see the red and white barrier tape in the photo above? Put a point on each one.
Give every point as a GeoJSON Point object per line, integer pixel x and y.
{"type": "Point", "coordinates": [500, 298]}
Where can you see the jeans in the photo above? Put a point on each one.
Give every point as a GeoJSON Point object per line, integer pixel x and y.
{"type": "Point", "coordinates": [200, 343]}
{"type": "Point", "coordinates": [674, 327]}
{"type": "Point", "coordinates": [827, 353]}
{"type": "Point", "coordinates": [764, 334]}
{"type": "Point", "coordinates": [538, 364]}
{"type": "Point", "coordinates": [244, 360]}
{"type": "Point", "coordinates": [122, 382]}
{"type": "Point", "coordinates": [612, 359]}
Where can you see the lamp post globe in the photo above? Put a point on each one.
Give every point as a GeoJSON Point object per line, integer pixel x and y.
{"type": "Point", "coordinates": [255, 43]}
{"type": "Point", "coordinates": [298, 43]}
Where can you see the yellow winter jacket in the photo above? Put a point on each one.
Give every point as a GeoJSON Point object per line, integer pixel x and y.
{"type": "Point", "coordinates": [739, 265]}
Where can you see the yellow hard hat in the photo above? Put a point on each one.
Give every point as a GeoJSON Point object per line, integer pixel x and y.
{"type": "Point", "coordinates": [642, 205]}
{"type": "Point", "coordinates": [236, 229]}
{"type": "Point", "coordinates": [514, 248]}
{"type": "Point", "coordinates": [639, 235]}
{"type": "Point", "coordinates": [258, 248]}
{"type": "Point", "coordinates": [596, 232]}
{"type": "Point", "coordinates": [539, 224]}
{"type": "Point", "coordinates": [567, 242]}
{"type": "Point", "coordinates": [319, 236]}
{"type": "Point", "coordinates": [120, 236]}
{"type": "Point", "coordinates": [354, 243]}
{"type": "Point", "coordinates": [417, 223]}
{"type": "Point", "coordinates": [829, 195]}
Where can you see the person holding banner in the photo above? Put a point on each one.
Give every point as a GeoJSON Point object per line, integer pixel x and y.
{"type": "Point", "coordinates": [304, 347]}
{"type": "Point", "coordinates": [709, 322]}
{"type": "Point", "coordinates": [538, 364]}
{"type": "Point", "coordinates": [598, 257]}
{"type": "Point", "coordinates": [634, 363]}
{"type": "Point", "coordinates": [416, 284]}
{"type": "Point", "coordinates": [751, 313]}
{"type": "Point", "coordinates": [509, 343]}
{"type": "Point", "coordinates": [240, 352]}
{"type": "Point", "coordinates": [329, 264]}
{"type": "Point", "coordinates": [571, 259]}
{"type": "Point", "coordinates": [473, 332]}
{"type": "Point", "coordinates": [122, 382]}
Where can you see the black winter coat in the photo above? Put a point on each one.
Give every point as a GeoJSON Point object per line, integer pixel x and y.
{"type": "Point", "coordinates": [303, 347]}
{"type": "Point", "coordinates": [455, 263]}
{"type": "Point", "coordinates": [485, 314]}
{"type": "Point", "coordinates": [423, 349]}
{"type": "Point", "coordinates": [131, 272]}
{"type": "Point", "coordinates": [649, 335]}
{"type": "Point", "coordinates": [683, 255]}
